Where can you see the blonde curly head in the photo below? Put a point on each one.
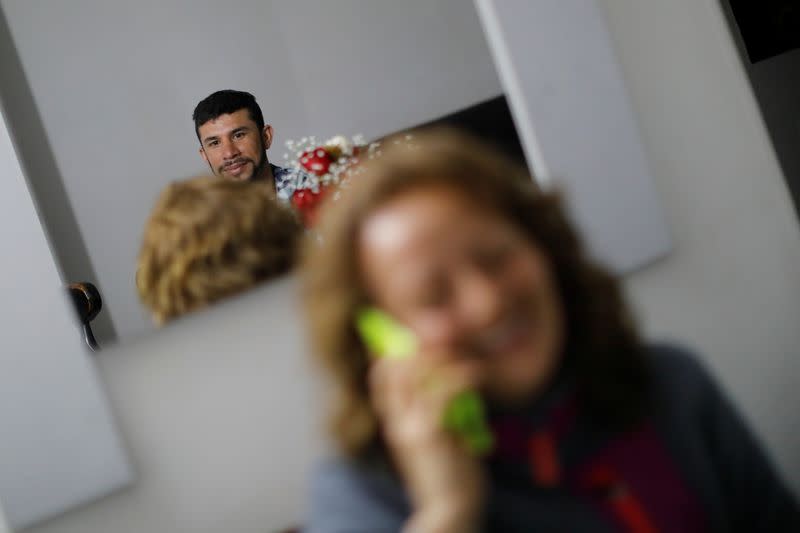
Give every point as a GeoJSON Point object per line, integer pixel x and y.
{"type": "Point", "coordinates": [207, 239]}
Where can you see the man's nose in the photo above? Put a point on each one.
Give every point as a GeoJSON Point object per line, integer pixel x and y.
{"type": "Point", "coordinates": [229, 150]}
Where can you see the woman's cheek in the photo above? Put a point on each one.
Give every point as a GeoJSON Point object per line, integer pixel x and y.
{"type": "Point", "coordinates": [435, 330]}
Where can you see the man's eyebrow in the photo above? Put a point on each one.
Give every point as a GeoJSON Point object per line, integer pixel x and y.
{"type": "Point", "coordinates": [231, 132]}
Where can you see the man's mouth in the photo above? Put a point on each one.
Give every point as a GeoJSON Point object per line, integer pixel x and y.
{"type": "Point", "coordinates": [235, 168]}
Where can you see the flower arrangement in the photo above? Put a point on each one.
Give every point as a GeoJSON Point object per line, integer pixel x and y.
{"type": "Point", "coordinates": [323, 169]}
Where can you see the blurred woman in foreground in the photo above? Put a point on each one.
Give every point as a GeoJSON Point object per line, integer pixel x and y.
{"type": "Point", "coordinates": [594, 429]}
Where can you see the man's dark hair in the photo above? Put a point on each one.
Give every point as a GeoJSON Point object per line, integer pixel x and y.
{"type": "Point", "coordinates": [226, 102]}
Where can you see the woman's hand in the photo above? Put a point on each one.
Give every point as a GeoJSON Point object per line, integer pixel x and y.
{"type": "Point", "coordinates": [445, 481]}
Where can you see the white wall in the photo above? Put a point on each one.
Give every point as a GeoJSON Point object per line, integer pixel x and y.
{"type": "Point", "coordinates": [58, 445]}
{"type": "Point", "coordinates": [222, 427]}
{"type": "Point", "coordinates": [731, 288]}
{"type": "Point", "coordinates": [576, 123]}
{"type": "Point", "coordinates": [115, 84]}
{"type": "Point", "coordinates": [35, 156]}
{"type": "Point", "coordinates": [380, 66]}
{"type": "Point", "coordinates": [3, 523]}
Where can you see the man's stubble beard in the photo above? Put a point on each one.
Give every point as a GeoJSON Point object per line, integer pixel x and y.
{"type": "Point", "coordinates": [258, 171]}
{"type": "Point", "coordinates": [258, 168]}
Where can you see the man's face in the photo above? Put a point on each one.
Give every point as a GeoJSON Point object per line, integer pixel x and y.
{"type": "Point", "coordinates": [233, 146]}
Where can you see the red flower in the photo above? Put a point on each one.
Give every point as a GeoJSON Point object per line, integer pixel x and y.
{"type": "Point", "coordinates": [306, 201]}
{"type": "Point", "coordinates": [316, 161]}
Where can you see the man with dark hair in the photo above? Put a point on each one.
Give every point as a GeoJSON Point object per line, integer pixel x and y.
{"type": "Point", "coordinates": [234, 140]}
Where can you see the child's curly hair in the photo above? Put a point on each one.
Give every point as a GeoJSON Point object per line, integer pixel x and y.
{"type": "Point", "coordinates": [209, 238]}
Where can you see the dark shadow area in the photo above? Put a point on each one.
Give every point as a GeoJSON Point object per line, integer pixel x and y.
{"type": "Point", "coordinates": [767, 28]}
{"type": "Point", "coordinates": [44, 180]}
{"type": "Point", "coordinates": [767, 35]}
{"type": "Point", "coordinates": [490, 121]}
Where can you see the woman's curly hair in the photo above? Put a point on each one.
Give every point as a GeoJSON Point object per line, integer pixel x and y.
{"type": "Point", "coordinates": [602, 353]}
{"type": "Point", "coordinates": [209, 238]}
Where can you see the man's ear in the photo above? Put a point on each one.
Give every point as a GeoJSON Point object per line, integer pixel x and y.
{"type": "Point", "coordinates": [267, 136]}
{"type": "Point", "coordinates": [203, 154]}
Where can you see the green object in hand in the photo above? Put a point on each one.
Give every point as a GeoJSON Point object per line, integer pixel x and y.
{"type": "Point", "coordinates": [465, 415]}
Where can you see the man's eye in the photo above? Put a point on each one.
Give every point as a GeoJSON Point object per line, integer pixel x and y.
{"type": "Point", "coordinates": [212, 143]}
{"type": "Point", "coordinates": [239, 135]}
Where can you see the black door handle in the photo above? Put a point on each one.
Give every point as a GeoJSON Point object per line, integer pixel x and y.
{"type": "Point", "coordinates": [88, 304]}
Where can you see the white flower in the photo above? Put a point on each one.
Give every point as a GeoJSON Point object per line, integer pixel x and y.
{"type": "Point", "coordinates": [342, 143]}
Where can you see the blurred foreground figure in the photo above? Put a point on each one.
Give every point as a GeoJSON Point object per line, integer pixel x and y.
{"type": "Point", "coordinates": [207, 239]}
{"type": "Point", "coordinates": [594, 429]}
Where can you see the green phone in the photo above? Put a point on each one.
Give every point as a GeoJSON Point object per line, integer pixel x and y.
{"type": "Point", "coordinates": [465, 415]}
